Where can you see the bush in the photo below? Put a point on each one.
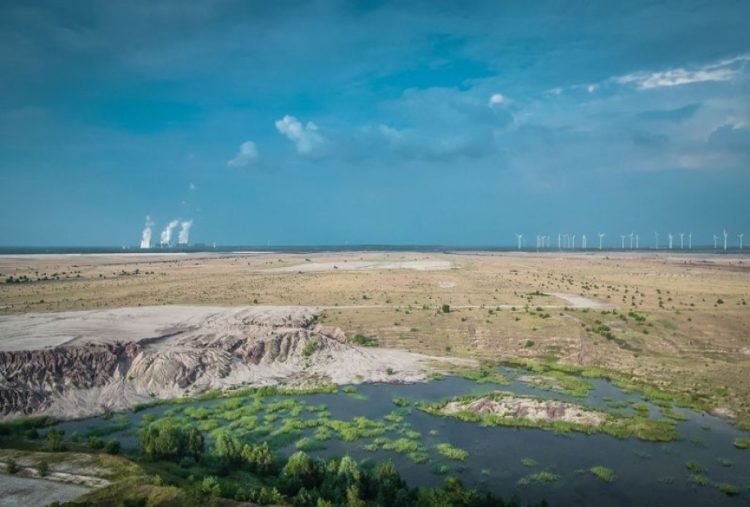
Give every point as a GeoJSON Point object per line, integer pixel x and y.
{"type": "Point", "coordinates": [112, 446]}
{"type": "Point", "coordinates": [260, 458]}
{"type": "Point", "coordinates": [446, 308]}
{"type": "Point", "coordinates": [96, 443]}
{"type": "Point", "coordinates": [43, 468]}
{"type": "Point", "coordinates": [227, 446]}
{"type": "Point", "coordinates": [12, 466]}
{"type": "Point", "coordinates": [310, 348]}
{"type": "Point", "coordinates": [167, 439]}
{"type": "Point", "coordinates": [365, 341]}
{"type": "Point", "coordinates": [55, 440]}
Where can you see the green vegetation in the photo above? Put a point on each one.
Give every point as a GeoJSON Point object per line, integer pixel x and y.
{"type": "Point", "coordinates": [695, 467]}
{"type": "Point", "coordinates": [529, 462]}
{"type": "Point", "coordinates": [484, 375]}
{"type": "Point", "coordinates": [616, 425]}
{"type": "Point", "coordinates": [451, 452]}
{"type": "Point", "coordinates": [365, 341]}
{"type": "Point", "coordinates": [440, 469]}
{"type": "Point", "coordinates": [401, 402]}
{"type": "Point", "coordinates": [310, 348]}
{"type": "Point", "coordinates": [604, 473]}
{"type": "Point", "coordinates": [699, 480]}
{"type": "Point", "coordinates": [741, 442]}
{"type": "Point", "coordinates": [728, 489]}
{"type": "Point", "coordinates": [539, 477]}
{"type": "Point", "coordinates": [169, 439]}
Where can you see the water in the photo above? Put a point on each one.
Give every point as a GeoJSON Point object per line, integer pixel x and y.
{"type": "Point", "coordinates": [646, 473]}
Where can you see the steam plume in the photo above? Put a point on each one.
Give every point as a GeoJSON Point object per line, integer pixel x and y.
{"type": "Point", "coordinates": [184, 234]}
{"type": "Point", "coordinates": [146, 234]}
{"type": "Point", "coordinates": [166, 234]}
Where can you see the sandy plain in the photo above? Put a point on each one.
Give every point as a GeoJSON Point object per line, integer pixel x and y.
{"type": "Point", "coordinates": [681, 320]}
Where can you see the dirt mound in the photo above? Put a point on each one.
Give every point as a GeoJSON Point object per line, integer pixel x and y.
{"type": "Point", "coordinates": [526, 408]}
{"type": "Point", "coordinates": [114, 359]}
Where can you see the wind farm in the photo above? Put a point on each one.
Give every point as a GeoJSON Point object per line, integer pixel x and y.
{"type": "Point", "coordinates": [566, 241]}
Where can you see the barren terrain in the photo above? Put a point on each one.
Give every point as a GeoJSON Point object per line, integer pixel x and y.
{"type": "Point", "coordinates": [680, 321]}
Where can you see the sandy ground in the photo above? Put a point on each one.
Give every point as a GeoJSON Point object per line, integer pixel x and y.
{"type": "Point", "coordinates": [70, 476]}
{"type": "Point", "coordinates": [25, 492]}
{"type": "Point", "coordinates": [45, 330]}
{"type": "Point", "coordinates": [693, 338]}
{"type": "Point", "coordinates": [308, 267]}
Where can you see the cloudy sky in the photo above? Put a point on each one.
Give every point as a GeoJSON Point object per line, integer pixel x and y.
{"type": "Point", "coordinates": [372, 122]}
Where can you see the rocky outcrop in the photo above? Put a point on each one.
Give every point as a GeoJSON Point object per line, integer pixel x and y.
{"type": "Point", "coordinates": [517, 407]}
{"type": "Point", "coordinates": [193, 352]}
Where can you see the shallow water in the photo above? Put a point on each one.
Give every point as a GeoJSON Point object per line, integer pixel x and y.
{"type": "Point", "coordinates": [646, 473]}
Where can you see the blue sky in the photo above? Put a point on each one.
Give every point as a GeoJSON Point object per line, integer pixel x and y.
{"type": "Point", "coordinates": [372, 122]}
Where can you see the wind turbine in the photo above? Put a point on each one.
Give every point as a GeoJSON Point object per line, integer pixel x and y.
{"type": "Point", "coordinates": [656, 235]}
{"type": "Point", "coordinates": [632, 234]}
{"type": "Point", "coordinates": [716, 241]}
{"type": "Point", "coordinates": [601, 235]}
{"type": "Point", "coordinates": [725, 240]}
{"type": "Point", "coordinates": [622, 236]}
{"type": "Point", "coordinates": [573, 243]}
{"type": "Point", "coordinates": [670, 240]}
{"type": "Point", "coordinates": [682, 241]}
{"type": "Point", "coordinates": [740, 236]}
{"type": "Point", "coordinates": [690, 241]}
{"type": "Point", "coordinates": [520, 240]}
{"type": "Point", "coordinates": [559, 243]}
{"type": "Point", "coordinates": [583, 242]}
{"type": "Point", "coordinates": [637, 238]}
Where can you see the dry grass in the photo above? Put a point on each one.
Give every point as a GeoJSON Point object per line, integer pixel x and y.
{"type": "Point", "coordinates": [689, 341]}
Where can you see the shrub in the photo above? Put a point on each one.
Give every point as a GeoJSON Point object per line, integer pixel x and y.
{"type": "Point", "coordinates": [96, 443]}
{"type": "Point", "coordinates": [446, 308]}
{"type": "Point", "coordinates": [604, 473]}
{"type": "Point", "coordinates": [451, 452]}
{"type": "Point", "coordinates": [365, 341]}
{"type": "Point", "coordinates": [166, 439]}
{"type": "Point", "coordinates": [12, 466]}
{"type": "Point", "coordinates": [227, 446]}
{"type": "Point", "coordinates": [43, 468]}
{"type": "Point", "coordinates": [260, 458]}
{"type": "Point", "coordinates": [310, 348]}
{"type": "Point", "coordinates": [112, 446]}
{"type": "Point", "coordinates": [55, 440]}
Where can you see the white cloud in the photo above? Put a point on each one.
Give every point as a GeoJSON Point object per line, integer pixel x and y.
{"type": "Point", "coordinates": [496, 99]}
{"type": "Point", "coordinates": [247, 154]}
{"type": "Point", "coordinates": [306, 138]}
{"type": "Point", "coordinates": [192, 186]}
{"type": "Point", "coordinates": [723, 70]}
{"type": "Point", "coordinates": [676, 77]}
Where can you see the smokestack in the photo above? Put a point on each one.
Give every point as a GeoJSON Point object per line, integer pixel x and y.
{"type": "Point", "coordinates": [146, 234]}
{"type": "Point", "coordinates": [184, 235]}
{"type": "Point", "coordinates": [166, 234]}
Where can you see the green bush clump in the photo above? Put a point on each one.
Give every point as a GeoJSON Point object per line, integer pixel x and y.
{"type": "Point", "coordinates": [310, 348]}
{"type": "Point", "coordinates": [365, 341]}
{"type": "Point", "coordinates": [695, 467]}
{"type": "Point", "coordinates": [451, 452]}
{"type": "Point", "coordinates": [529, 462]}
{"type": "Point", "coordinates": [604, 473]}
{"type": "Point", "coordinates": [539, 477]}
{"type": "Point", "coordinates": [168, 439]}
